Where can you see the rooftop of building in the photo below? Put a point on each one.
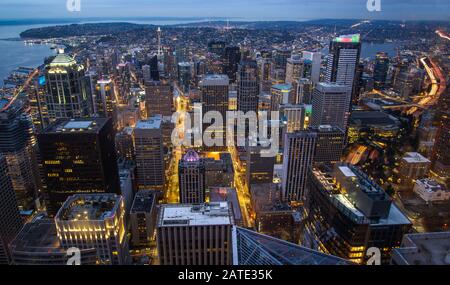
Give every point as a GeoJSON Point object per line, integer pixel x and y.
{"type": "Point", "coordinates": [224, 194]}
{"type": "Point", "coordinates": [348, 207]}
{"type": "Point", "coordinates": [415, 157]}
{"type": "Point", "coordinates": [331, 87]}
{"type": "Point", "coordinates": [63, 59]}
{"type": "Point", "coordinates": [173, 215]}
{"type": "Point", "coordinates": [215, 80]}
{"type": "Point", "coordinates": [76, 126]}
{"type": "Point", "coordinates": [89, 207]}
{"type": "Point", "coordinates": [283, 87]}
{"type": "Point", "coordinates": [355, 38]}
{"type": "Point", "coordinates": [431, 185]}
{"type": "Point", "coordinates": [39, 235]}
{"type": "Point", "coordinates": [144, 201]}
{"type": "Point", "coordinates": [326, 129]}
{"type": "Point", "coordinates": [372, 118]}
{"type": "Point", "coordinates": [151, 123]}
{"type": "Point", "coordinates": [424, 249]}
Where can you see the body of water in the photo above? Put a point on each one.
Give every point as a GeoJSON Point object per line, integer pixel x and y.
{"type": "Point", "coordinates": [14, 53]}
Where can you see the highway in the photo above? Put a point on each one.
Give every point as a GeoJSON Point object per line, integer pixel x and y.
{"type": "Point", "coordinates": [22, 88]}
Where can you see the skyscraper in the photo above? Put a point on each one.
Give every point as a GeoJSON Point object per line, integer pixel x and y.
{"type": "Point", "coordinates": [380, 70]}
{"type": "Point", "coordinates": [294, 69]}
{"type": "Point", "coordinates": [248, 86]}
{"type": "Point", "coordinates": [78, 156]}
{"type": "Point", "coordinates": [158, 98]}
{"type": "Point", "coordinates": [103, 97]}
{"type": "Point", "coordinates": [195, 234]}
{"type": "Point", "coordinates": [66, 93]}
{"type": "Point", "coordinates": [10, 221]}
{"type": "Point", "coordinates": [315, 60]}
{"type": "Point", "coordinates": [331, 105]}
{"type": "Point", "coordinates": [95, 221]}
{"type": "Point", "coordinates": [214, 92]}
{"type": "Point", "coordinates": [441, 154]}
{"type": "Point", "coordinates": [330, 144]}
{"type": "Point", "coordinates": [298, 158]}
{"type": "Point", "coordinates": [148, 145]}
{"type": "Point", "coordinates": [192, 178]}
{"type": "Point", "coordinates": [343, 59]}
{"type": "Point", "coordinates": [184, 76]}
{"type": "Point", "coordinates": [17, 146]}
{"type": "Point", "coordinates": [232, 59]}
{"type": "Point", "coordinates": [281, 58]}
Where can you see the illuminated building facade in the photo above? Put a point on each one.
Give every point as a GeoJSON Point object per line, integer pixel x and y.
{"type": "Point", "coordinates": [248, 86]}
{"type": "Point", "coordinates": [195, 234]}
{"type": "Point", "coordinates": [441, 153]}
{"type": "Point", "coordinates": [331, 105]}
{"type": "Point", "coordinates": [17, 146]}
{"type": "Point", "coordinates": [232, 59]}
{"type": "Point", "coordinates": [78, 157]}
{"type": "Point", "coordinates": [281, 94]}
{"type": "Point", "coordinates": [95, 221]}
{"type": "Point", "coordinates": [103, 98]}
{"type": "Point", "coordinates": [347, 213]}
{"type": "Point", "coordinates": [214, 93]}
{"type": "Point", "coordinates": [192, 178]}
{"type": "Point", "coordinates": [66, 95]}
{"type": "Point", "coordinates": [38, 244]}
{"type": "Point", "coordinates": [413, 166]}
{"type": "Point", "coordinates": [294, 69]}
{"type": "Point", "coordinates": [298, 157]}
{"type": "Point", "coordinates": [148, 146]}
{"type": "Point", "coordinates": [259, 169]}
{"type": "Point", "coordinates": [343, 60]}
{"type": "Point", "coordinates": [10, 220]}
{"type": "Point", "coordinates": [158, 98]}
{"type": "Point", "coordinates": [380, 70]}
{"type": "Point", "coordinates": [143, 218]}
{"type": "Point", "coordinates": [330, 144]}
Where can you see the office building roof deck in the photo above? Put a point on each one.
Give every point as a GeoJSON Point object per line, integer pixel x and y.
{"type": "Point", "coordinates": [76, 126]}
{"type": "Point", "coordinates": [151, 123]}
{"type": "Point", "coordinates": [89, 207]}
{"type": "Point", "coordinates": [215, 80]}
{"type": "Point", "coordinates": [424, 249]}
{"type": "Point", "coordinates": [415, 157]}
{"type": "Point", "coordinates": [143, 201]}
{"type": "Point", "coordinates": [195, 214]}
{"type": "Point", "coordinates": [38, 236]}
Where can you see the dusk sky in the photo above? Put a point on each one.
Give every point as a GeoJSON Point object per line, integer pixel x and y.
{"type": "Point", "coordinates": [242, 9]}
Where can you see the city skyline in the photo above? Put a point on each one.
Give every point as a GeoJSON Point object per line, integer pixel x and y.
{"type": "Point", "coordinates": [258, 10]}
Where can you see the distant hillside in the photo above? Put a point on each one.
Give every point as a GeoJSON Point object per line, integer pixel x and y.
{"type": "Point", "coordinates": [80, 30]}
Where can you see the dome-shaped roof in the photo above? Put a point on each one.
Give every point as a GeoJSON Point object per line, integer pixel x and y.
{"type": "Point", "coordinates": [191, 156]}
